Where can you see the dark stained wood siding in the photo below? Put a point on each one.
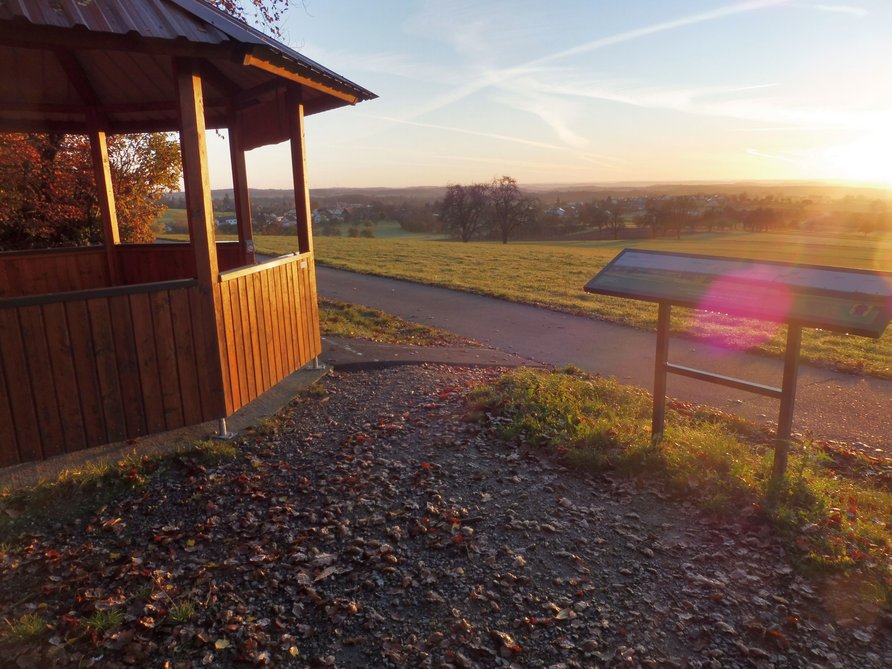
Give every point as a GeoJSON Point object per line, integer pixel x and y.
{"type": "Point", "coordinates": [267, 333]}
{"type": "Point", "coordinates": [101, 366]}
{"type": "Point", "coordinates": [52, 271]}
{"type": "Point", "coordinates": [25, 273]}
{"type": "Point", "coordinates": [147, 263]}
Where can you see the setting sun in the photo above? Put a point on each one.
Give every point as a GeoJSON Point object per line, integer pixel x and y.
{"type": "Point", "coordinates": [866, 160]}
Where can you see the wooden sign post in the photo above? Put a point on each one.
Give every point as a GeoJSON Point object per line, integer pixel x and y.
{"type": "Point", "coordinates": [848, 301]}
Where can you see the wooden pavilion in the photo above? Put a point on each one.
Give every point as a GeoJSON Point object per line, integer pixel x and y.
{"type": "Point", "coordinates": [101, 344]}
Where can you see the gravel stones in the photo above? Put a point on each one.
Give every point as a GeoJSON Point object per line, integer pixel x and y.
{"type": "Point", "coordinates": [376, 528]}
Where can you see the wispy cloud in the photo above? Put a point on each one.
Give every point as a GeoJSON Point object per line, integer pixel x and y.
{"type": "Point", "coordinates": [494, 77]}
{"type": "Point", "coordinates": [774, 156]}
{"type": "Point", "coordinates": [836, 9]}
{"type": "Point", "coordinates": [605, 161]}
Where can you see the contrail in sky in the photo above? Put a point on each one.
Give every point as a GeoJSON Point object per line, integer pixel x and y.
{"type": "Point", "coordinates": [499, 76]}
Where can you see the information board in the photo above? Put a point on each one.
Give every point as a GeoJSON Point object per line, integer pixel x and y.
{"type": "Point", "coordinates": [831, 298]}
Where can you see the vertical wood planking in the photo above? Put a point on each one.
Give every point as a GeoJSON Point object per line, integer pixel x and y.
{"type": "Point", "coordinates": [233, 395]}
{"type": "Point", "coordinates": [190, 393]}
{"type": "Point", "coordinates": [127, 360]}
{"type": "Point", "coordinates": [246, 338]}
{"type": "Point", "coordinates": [147, 359]}
{"type": "Point", "coordinates": [294, 302]}
{"type": "Point", "coordinates": [287, 321]}
{"type": "Point", "coordinates": [313, 313]}
{"type": "Point", "coordinates": [259, 362]}
{"type": "Point", "coordinates": [213, 395]}
{"type": "Point", "coordinates": [267, 341]}
{"type": "Point", "coordinates": [304, 310]}
{"type": "Point", "coordinates": [62, 361]}
{"type": "Point", "coordinates": [300, 330]}
{"type": "Point", "coordinates": [9, 452]}
{"type": "Point", "coordinates": [239, 341]}
{"type": "Point", "coordinates": [275, 278]}
{"type": "Point", "coordinates": [12, 356]}
{"type": "Point", "coordinates": [167, 360]}
{"type": "Point", "coordinates": [107, 366]}
{"type": "Point", "coordinates": [43, 384]}
{"type": "Point", "coordinates": [85, 370]}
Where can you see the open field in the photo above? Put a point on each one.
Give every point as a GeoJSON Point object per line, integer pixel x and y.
{"type": "Point", "coordinates": [552, 274]}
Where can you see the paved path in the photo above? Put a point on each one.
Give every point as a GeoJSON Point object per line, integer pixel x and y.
{"type": "Point", "coordinates": [831, 405]}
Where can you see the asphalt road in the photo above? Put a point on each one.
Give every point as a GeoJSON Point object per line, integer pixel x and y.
{"type": "Point", "coordinates": [829, 404]}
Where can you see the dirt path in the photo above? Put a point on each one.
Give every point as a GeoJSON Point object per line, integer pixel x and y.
{"type": "Point", "coordinates": [831, 405]}
{"type": "Point", "coordinates": [376, 528]}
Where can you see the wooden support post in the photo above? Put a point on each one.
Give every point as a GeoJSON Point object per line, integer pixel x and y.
{"type": "Point", "coordinates": [788, 400]}
{"type": "Point", "coordinates": [240, 193]}
{"type": "Point", "coordinates": [111, 234]}
{"type": "Point", "coordinates": [299, 169]}
{"type": "Point", "coordinates": [195, 174]}
{"type": "Point", "coordinates": [201, 229]}
{"type": "Point", "coordinates": [660, 373]}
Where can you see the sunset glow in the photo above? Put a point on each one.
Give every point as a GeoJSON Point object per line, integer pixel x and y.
{"type": "Point", "coordinates": [578, 91]}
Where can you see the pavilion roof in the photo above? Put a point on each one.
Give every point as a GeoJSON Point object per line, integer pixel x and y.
{"type": "Point", "coordinates": [66, 61]}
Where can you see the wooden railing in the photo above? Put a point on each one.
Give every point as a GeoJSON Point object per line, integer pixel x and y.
{"type": "Point", "coordinates": [81, 369]}
{"type": "Point", "coordinates": [269, 326]}
{"type": "Point", "coordinates": [52, 271]}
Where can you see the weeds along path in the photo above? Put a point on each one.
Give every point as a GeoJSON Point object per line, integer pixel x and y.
{"type": "Point", "coordinates": [831, 405]}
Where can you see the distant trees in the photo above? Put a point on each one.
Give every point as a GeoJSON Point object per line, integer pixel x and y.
{"type": "Point", "coordinates": [498, 208]}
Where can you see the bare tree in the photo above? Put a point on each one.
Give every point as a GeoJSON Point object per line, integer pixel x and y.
{"type": "Point", "coordinates": [463, 209]}
{"type": "Point", "coordinates": [615, 216]}
{"type": "Point", "coordinates": [508, 208]}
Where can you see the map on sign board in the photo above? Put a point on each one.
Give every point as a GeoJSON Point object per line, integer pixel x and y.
{"type": "Point", "coordinates": [831, 298]}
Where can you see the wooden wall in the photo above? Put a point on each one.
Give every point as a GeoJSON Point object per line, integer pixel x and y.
{"type": "Point", "coordinates": [69, 269]}
{"type": "Point", "coordinates": [52, 271]}
{"type": "Point", "coordinates": [147, 263]}
{"type": "Point", "coordinates": [91, 368]}
{"type": "Point", "coordinates": [279, 299]}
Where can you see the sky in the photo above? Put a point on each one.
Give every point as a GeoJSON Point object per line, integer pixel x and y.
{"type": "Point", "coordinates": [593, 91]}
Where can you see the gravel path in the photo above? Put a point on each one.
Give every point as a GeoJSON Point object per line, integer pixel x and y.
{"type": "Point", "coordinates": [376, 528]}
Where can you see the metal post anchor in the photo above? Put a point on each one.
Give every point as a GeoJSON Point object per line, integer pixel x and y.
{"type": "Point", "coordinates": [223, 434]}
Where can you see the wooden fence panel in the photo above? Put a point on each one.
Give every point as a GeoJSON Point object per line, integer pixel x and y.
{"type": "Point", "coordinates": [88, 368]}
{"type": "Point", "coordinates": [265, 325]}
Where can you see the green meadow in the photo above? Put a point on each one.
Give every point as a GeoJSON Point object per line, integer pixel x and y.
{"type": "Point", "coordinates": [552, 274]}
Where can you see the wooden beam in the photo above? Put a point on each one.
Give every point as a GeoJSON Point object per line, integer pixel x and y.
{"type": "Point", "coordinates": [201, 228]}
{"type": "Point", "coordinates": [111, 234]}
{"type": "Point", "coordinates": [287, 73]}
{"type": "Point", "coordinates": [240, 193]}
{"type": "Point", "coordinates": [299, 171]}
{"type": "Point", "coordinates": [195, 173]}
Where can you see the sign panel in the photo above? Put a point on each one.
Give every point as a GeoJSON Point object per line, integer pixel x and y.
{"type": "Point", "coordinates": [831, 298]}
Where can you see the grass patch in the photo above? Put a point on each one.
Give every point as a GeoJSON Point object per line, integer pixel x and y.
{"type": "Point", "coordinates": [104, 620]}
{"type": "Point", "coordinates": [27, 628]}
{"type": "Point", "coordinates": [182, 612]}
{"type": "Point", "coordinates": [77, 493]}
{"type": "Point", "coordinates": [830, 522]}
{"type": "Point", "coordinates": [351, 320]}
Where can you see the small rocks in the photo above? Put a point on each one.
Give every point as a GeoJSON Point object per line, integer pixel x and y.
{"type": "Point", "coordinates": [378, 529]}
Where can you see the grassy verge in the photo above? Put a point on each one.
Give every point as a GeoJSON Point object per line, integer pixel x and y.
{"type": "Point", "coordinates": [552, 275]}
{"type": "Point", "coordinates": [830, 522]}
{"type": "Point", "coordinates": [76, 494]}
{"type": "Point", "coordinates": [350, 320]}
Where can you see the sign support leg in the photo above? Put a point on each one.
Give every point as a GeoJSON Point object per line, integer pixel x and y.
{"type": "Point", "coordinates": [660, 373]}
{"type": "Point", "coordinates": [788, 399]}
